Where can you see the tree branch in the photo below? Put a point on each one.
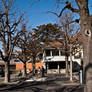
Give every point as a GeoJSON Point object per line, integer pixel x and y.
{"type": "Point", "coordinates": [15, 39]}
{"type": "Point", "coordinates": [52, 13]}
{"type": "Point", "coordinates": [78, 3]}
{"type": "Point", "coordinates": [76, 20]}
{"type": "Point", "coordinates": [16, 23]}
{"type": "Point", "coordinates": [21, 59]}
{"type": "Point", "coordinates": [68, 6]}
{"type": "Point", "coordinates": [1, 15]}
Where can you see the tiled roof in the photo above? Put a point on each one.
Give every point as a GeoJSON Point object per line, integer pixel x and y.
{"type": "Point", "coordinates": [55, 44]}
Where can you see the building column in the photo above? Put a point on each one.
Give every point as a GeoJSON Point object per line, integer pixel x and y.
{"type": "Point", "coordinates": [44, 56]}
{"type": "Point", "coordinates": [44, 59]}
{"type": "Point", "coordinates": [51, 53]}
{"type": "Point", "coordinates": [59, 52]}
{"type": "Point", "coordinates": [47, 67]}
{"type": "Point", "coordinates": [58, 69]}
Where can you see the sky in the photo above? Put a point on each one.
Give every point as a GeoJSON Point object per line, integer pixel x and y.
{"type": "Point", "coordinates": [35, 10]}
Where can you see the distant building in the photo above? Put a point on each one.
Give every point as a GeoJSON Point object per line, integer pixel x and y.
{"type": "Point", "coordinates": [16, 65]}
{"type": "Point", "coordinates": [54, 58]}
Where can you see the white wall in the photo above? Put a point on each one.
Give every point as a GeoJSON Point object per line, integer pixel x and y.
{"type": "Point", "coordinates": [60, 58]}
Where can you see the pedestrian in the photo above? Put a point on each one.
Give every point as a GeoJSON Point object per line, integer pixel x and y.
{"type": "Point", "coordinates": [39, 72]}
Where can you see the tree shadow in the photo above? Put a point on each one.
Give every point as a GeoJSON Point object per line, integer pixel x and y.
{"type": "Point", "coordinates": [42, 86]}
{"type": "Point", "coordinates": [30, 86]}
{"type": "Point", "coordinates": [3, 85]}
{"type": "Point", "coordinates": [89, 66]}
{"type": "Point", "coordinates": [78, 88]}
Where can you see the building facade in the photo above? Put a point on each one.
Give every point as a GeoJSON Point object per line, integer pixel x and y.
{"type": "Point", "coordinates": [54, 59]}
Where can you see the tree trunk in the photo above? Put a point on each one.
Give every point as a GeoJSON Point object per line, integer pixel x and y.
{"type": "Point", "coordinates": [87, 68]}
{"type": "Point", "coordinates": [66, 60]}
{"type": "Point", "coordinates": [25, 72]}
{"type": "Point", "coordinates": [33, 66]}
{"type": "Point", "coordinates": [71, 63]}
{"type": "Point", "coordinates": [7, 73]}
{"type": "Point", "coordinates": [86, 29]}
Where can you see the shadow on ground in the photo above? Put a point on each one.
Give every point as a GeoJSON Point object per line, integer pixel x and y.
{"type": "Point", "coordinates": [50, 85]}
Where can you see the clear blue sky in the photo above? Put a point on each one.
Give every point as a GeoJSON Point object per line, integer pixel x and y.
{"type": "Point", "coordinates": [36, 10]}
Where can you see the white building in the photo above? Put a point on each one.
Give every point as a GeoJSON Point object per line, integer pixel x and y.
{"type": "Point", "coordinates": [54, 58]}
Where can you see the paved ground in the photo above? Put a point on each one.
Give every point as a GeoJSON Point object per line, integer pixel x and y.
{"type": "Point", "coordinates": [50, 83]}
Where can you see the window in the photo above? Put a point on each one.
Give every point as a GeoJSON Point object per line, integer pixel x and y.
{"type": "Point", "coordinates": [62, 65]}
{"type": "Point", "coordinates": [53, 65]}
{"type": "Point", "coordinates": [62, 53]}
{"type": "Point", "coordinates": [47, 52]}
{"type": "Point", "coordinates": [55, 52]}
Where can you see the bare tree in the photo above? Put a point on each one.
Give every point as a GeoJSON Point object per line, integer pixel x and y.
{"type": "Point", "coordinates": [29, 46]}
{"type": "Point", "coordinates": [68, 33]}
{"type": "Point", "coordinates": [8, 34]}
{"type": "Point", "coordinates": [66, 18]}
{"type": "Point", "coordinates": [86, 30]}
{"type": "Point", "coordinates": [35, 49]}
{"type": "Point", "coordinates": [22, 43]}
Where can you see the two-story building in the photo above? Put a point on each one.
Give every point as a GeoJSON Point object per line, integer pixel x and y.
{"type": "Point", "coordinates": [54, 58]}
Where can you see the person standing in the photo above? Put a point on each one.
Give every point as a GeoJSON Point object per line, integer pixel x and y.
{"type": "Point", "coordinates": [39, 72]}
